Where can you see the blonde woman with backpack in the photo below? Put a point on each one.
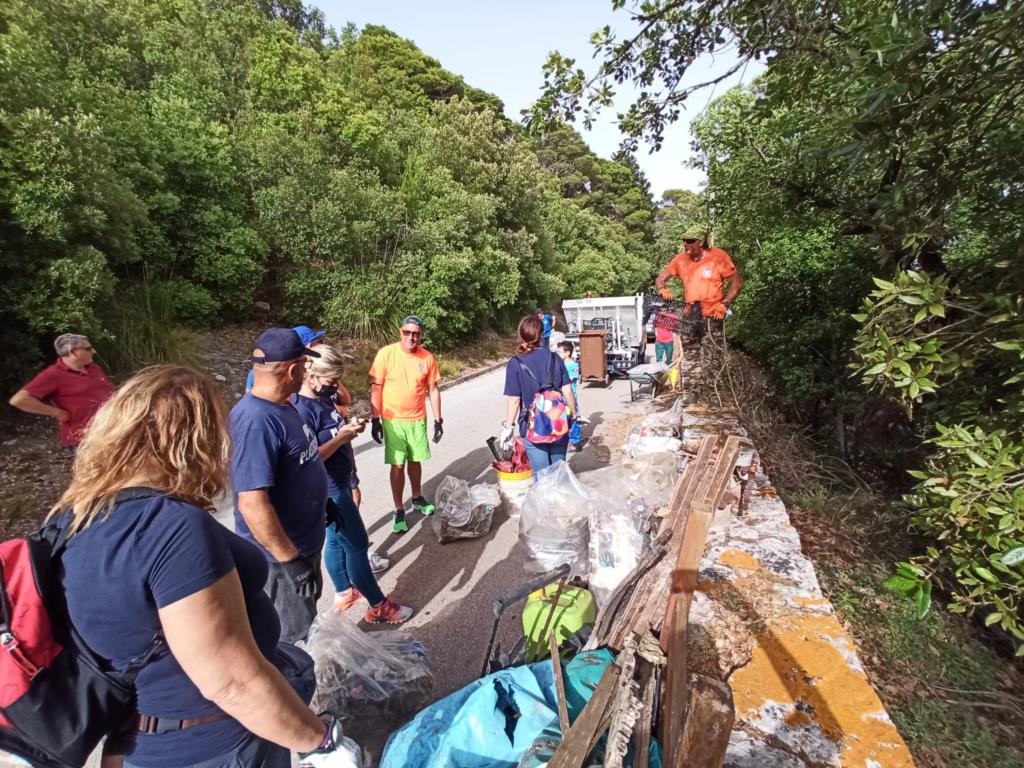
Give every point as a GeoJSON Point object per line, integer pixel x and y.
{"type": "Point", "coordinates": [147, 564]}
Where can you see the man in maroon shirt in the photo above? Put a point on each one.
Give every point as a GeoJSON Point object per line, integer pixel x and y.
{"type": "Point", "coordinates": [70, 391]}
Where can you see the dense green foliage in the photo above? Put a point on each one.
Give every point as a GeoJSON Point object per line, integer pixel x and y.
{"type": "Point", "coordinates": [239, 150]}
{"type": "Point", "coordinates": [882, 141]}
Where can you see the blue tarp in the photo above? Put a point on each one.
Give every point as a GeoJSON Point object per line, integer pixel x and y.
{"type": "Point", "coordinates": [494, 721]}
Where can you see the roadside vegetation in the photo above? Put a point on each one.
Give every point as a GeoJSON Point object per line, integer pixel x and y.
{"type": "Point", "coordinates": [166, 165]}
{"type": "Point", "coordinates": [870, 185]}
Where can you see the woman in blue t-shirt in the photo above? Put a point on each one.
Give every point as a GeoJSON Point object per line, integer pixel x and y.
{"type": "Point", "coordinates": [527, 372]}
{"type": "Point", "coordinates": [347, 547]}
{"type": "Point", "coordinates": [147, 564]}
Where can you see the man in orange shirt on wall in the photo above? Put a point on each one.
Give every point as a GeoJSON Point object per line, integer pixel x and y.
{"type": "Point", "coordinates": [703, 272]}
{"type": "Point", "coordinates": [403, 376]}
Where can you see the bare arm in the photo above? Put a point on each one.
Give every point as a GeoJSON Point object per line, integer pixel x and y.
{"type": "Point", "coordinates": [23, 401]}
{"type": "Point", "coordinates": [662, 277]}
{"type": "Point", "coordinates": [435, 401]}
{"type": "Point", "coordinates": [376, 398]}
{"type": "Point", "coordinates": [261, 517]}
{"type": "Point", "coordinates": [735, 285]}
{"type": "Point", "coordinates": [344, 396]}
{"type": "Point", "coordinates": [209, 634]}
{"type": "Point", "coordinates": [511, 410]}
{"type": "Point", "coordinates": [570, 398]}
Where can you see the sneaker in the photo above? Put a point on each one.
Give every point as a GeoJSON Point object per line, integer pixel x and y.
{"type": "Point", "coordinates": [422, 506]}
{"type": "Point", "coordinates": [345, 600]}
{"type": "Point", "coordinates": [398, 524]}
{"type": "Point", "coordinates": [378, 563]}
{"type": "Point", "coordinates": [388, 612]}
{"type": "Point", "coordinates": [574, 447]}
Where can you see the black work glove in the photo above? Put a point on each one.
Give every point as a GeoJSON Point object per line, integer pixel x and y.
{"type": "Point", "coordinates": [307, 580]}
{"type": "Point", "coordinates": [438, 430]}
{"type": "Point", "coordinates": [376, 430]}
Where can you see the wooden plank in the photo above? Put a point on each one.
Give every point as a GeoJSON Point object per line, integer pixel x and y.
{"type": "Point", "coordinates": [624, 709]}
{"type": "Point", "coordinates": [673, 708]}
{"type": "Point", "coordinates": [556, 663]}
{"type": "Point", "coordinates": [642, 733]}
{"type": "Point", "coordinates": [684, 582]}
{"type": "Point", "coordinates": [709, 721]}
{"type": "Point", "coordinates": [584, 733]}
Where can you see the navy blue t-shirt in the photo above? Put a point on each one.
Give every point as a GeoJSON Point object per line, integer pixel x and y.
{"type": "Point", "coordinates": [325, 421]}
{"type": "Point", "coordinates": [518, 383]}
{"type": "Point", "coordinates": [274, 449]}
{"type": "Point", "coordinates": [149, 553]}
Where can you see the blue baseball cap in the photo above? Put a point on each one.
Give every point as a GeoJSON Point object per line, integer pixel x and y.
{"type": "Point", "coordinates": [279, 344]}
{"type": "Point", "coordinates": [307, 334]}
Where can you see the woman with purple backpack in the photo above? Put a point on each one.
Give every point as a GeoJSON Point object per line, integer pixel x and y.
{"type": "Point", "coordinates": [540, 400]}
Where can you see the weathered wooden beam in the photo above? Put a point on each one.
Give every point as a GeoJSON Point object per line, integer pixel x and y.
{"type": "Point", "coordinates": [556, 663]}
{"type": "Point", "coordinates": [624, 709]}
{"type": "Point", "coordinates": [674, 639]}
{"type": "Point", "coordinates": [642, 733]}
{"type": "Point", "coordinates": [709, 721]}
{"type": "Point", "coordinates": [584, 733]}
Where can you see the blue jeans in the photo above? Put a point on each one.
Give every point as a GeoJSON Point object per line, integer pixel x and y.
{"type": "Point", "coordinates": [347, 552]}
{"type": "Point", "coordinates": [545, 454]}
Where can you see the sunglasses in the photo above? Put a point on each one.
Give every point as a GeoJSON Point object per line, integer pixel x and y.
{"type": "Point", "coordinates": [412, 334]}
{"type": "Point", "coordinates": [84, 349]}
{"type": "Point", "coordinates": [689, 240]}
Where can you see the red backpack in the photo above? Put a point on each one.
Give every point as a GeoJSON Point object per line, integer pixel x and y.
{"type": "Point", "coordinates": [58, 699]}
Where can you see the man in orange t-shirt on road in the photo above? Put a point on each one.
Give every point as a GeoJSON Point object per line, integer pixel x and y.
{"type": "Point", "coordinates": [703, 272]}
{"type": "Point", "coordinates": [403, 376]}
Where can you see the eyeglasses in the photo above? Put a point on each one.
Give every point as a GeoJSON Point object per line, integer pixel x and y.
{"type": "Point", "coordinates": [689, 240]}
{"type": "Point", "coordinates": [412, 334]}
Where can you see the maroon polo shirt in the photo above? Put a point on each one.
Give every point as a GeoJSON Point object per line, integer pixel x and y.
{"type": "Point", "coordinates": [80, 394]}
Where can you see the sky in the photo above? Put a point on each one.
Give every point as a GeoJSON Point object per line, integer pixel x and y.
{"type": "Point", "coordinates": [501, 47]}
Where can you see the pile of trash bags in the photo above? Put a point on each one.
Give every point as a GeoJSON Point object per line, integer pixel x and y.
{"type": "Point", "coordinates": [600, 526]}
{"type": "Point", "coordinates": [373, 681]}
{"type": "Point", "coordinates": [464, 511]}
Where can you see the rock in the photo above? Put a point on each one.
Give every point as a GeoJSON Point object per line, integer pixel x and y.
{"type": "Point", "coordinates": [260, 308]}
{"type": "Point", "coordinates": [220, 377]}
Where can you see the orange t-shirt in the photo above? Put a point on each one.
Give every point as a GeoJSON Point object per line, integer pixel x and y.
{"type": "Point", "coordinates": [703, 279]}
{"type": "Point", "coordinates": [407, 378]}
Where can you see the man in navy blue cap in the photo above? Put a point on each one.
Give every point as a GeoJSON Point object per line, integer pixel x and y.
{"type": "Point", "coordinates": [279, 480]}
{"type": "Point", "coordinates": [308, 336]}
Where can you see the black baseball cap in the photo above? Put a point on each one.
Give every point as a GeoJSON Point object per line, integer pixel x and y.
{"type": "Point", "coordinates": [280, 344]}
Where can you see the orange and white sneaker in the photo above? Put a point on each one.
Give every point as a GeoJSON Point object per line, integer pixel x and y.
{"type": "Point", "coordinates": [388, 612]}
{"type": "Point", "coordinates": [347, 599]}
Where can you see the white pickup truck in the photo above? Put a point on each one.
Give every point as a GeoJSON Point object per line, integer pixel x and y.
{"type": "Point", "coordinates": [622, 317]}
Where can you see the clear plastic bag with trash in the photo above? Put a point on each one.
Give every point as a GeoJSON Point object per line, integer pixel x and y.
{"type": "Point", "coordinates": [553, 523]}
{"type": "Point", "coordinates": [464, 511]}
{"type": "Point", "coordinates": [373, 682]}
{"type": "Point", "coordinates": [619, 519]}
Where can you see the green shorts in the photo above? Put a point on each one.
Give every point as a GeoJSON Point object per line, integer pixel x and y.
{"type": "Point", "coordinates": [405, 441]}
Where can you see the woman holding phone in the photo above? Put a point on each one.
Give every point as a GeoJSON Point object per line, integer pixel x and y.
{"type": "Point", "coordinates": [346, 552]}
